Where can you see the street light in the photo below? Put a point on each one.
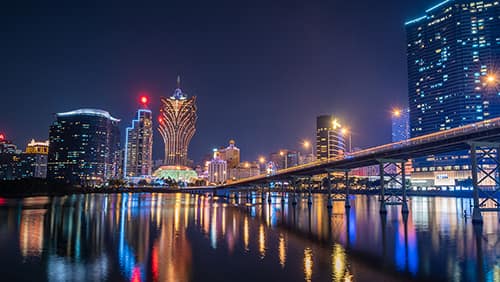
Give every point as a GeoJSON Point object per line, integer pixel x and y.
{"type": "Point", "coordinates": [308, 144]}
{"type": "Point", "coordinates": [286, 158]}
{"type": "Point", "coordinates": [344, 132]}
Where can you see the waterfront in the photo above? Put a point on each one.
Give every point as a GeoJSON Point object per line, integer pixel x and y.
{"type": "Point", "coordinates": [183, 237]}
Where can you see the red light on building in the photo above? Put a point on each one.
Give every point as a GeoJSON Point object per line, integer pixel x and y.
{"type": "Point", "coordinates": [144, 100]}
{"type": "Point", "coordinates": [2, 137]}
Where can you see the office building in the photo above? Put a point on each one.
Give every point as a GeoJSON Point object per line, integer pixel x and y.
{"type": "Point", "coordinates": [244, 170]}
{"type": "Point", "coordinates": [139, 144]}
{"type": "Point", "coordinates": [33, 162]}
{"type": "Point", "coordinates": [177, 126]}
{"type": "Point", "coordinates": [285, 158]}
{"type": "Point", "coordinates": [453, 57]}
{"type": "Point", "coordinates": [84, 147]}
{"type": "Point", "coordinates": [230, 154]}
{"type": "Point", "coordinates": [330, 142]}
{"type": "Point", "coordinates": [217, 169]}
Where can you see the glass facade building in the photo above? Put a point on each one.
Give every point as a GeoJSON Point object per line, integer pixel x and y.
{"type": "Point", "coordinates": [453, 53]}
{"type": "Point", "coordinates": [84, 147]}
{"type": "Point", "coordinates": [139, 145]}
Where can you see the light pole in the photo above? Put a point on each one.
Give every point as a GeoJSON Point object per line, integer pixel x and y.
{"type": "Point", "coordinates": [345, 131]}
{"type": "Point", "coordinates": [286, 158]}
{"type": "Point", "coordinates": [308, 144]}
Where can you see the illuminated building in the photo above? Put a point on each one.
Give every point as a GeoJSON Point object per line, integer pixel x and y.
{"type": "Point", "coordinates": [176, 173]}
{"type": "Point", "coordinates": [139, 144]}
{"type": "Point", "coordinates": [217, 169]}
{"type": "Point", "coordinates": [231, 155]}
{"type": "Point", "coordinates": [33, 162]}
{"type": "Point", "coordinates": [177, 125]}
{"type": "Point", "coordinates": [285, 158]}
{"type": "Point", "coordinates": [453, 59]}
{"type": "Point", "coordinates": [400, 124]}
{"type": "Point", "coordinates": [84, 147]}
{"type": "Point", "coordinates": [244, 170]}
{"type": "Point", "coordinates": [9, 159]}
{"type": "Point", "coordinates": [330, 143]}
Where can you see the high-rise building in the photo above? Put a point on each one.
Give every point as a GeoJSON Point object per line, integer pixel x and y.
{"type": "Point", "coordinates": [84, 147]}
{"type": "Point", "coordinates": [33, 162]}
{"type": "Point", "coordinates": [330, 143]}
{"type": "Point", "coordinates": [9, 159]}
{"type": "Point", "coordinates": [139, 143]}
{"type": "Point", "coordinates": [453, 57]}
{"type": "Point", "coordinates": [231, 154]}
{"type": "Point", "coordinates": [400, 124]}
{"type": "Point", "coordinates": [177, 125]}
{"type": "Point", "coordinates": [217, 169]}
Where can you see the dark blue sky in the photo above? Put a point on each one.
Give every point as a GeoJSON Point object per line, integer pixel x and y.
{"type": "Point", "coordinates": [261, 70]}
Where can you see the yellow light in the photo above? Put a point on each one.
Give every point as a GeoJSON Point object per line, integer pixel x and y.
{"type": "Point", "coordinates": [396, 112]}
{"type": "Point", "coordinates": [335, 124]}
{"type": "Point", "coordinates": [307, 144]}
{"type": "Point", "coordinates": [262, 160]}
{"type": "Point", "coordinates": [344, 130]}
{"type": "Point", "coordinates": [491, 78]}
{"type": "Point", "coordinates": [282, 153]}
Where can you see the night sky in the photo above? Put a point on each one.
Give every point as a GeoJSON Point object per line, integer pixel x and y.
{"type": "Point", "coordinates": [261, 70]}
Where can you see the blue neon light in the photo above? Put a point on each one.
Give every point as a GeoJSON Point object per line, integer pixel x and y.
{"type": "Point", "coordinates": [437, 5]}
{"type": "Point", "coordinates": [415, 20]}
{"type": "Point", "coordinates": [126, 138]}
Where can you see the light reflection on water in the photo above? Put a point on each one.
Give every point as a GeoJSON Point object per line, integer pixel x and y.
{"type": "Point", "coordinates": [182, 237]}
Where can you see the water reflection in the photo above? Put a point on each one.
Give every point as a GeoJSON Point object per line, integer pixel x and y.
{"type": "Point", "coordinates": [182, 237]}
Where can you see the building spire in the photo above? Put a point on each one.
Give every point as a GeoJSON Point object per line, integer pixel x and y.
{"type": "Point", "coordinates": [178, 81]}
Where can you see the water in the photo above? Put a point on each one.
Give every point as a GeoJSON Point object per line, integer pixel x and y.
{"type": "Point", "coordinates": [182, 237]}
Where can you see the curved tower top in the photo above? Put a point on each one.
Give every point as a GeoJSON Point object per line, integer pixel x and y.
{"type": "Point", "coordinates": [177, 125]}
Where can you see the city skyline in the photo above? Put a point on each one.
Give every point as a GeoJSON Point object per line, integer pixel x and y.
{"type": "Point", "coordinates": [215, 81]}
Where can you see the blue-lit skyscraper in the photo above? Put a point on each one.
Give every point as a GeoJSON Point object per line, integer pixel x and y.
{"type": "Point", "coordinates": [139, 144]}
{"type": "Point", "coordinates": [453, 70]}
{"type": "Point", "coordinates": [400, 124]}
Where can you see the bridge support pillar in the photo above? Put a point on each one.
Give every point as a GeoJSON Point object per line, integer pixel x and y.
{"type": "Point", "coordinates": [269, 194]}
{"type": "Point", "coordinates": [263, 193]}
{"type": "Point", "coordinates": [383, 208]}
{"type": "Point", "coordinates": [485, 153]}
{"type": "Point", "coordinates": [283, 192]}
{"type": "Point", "coordinates": [294, 197]}
{"type": "Point", "coordinates": [404, 205]}
{"type": "Point", "coordinates": [329, 203]}
{"type": "Point", "coordinates": [309, 196]}
{"type": "Point", "coordinates": [347, 203]}
{"type": "Point", "coordinates": [395, 170]}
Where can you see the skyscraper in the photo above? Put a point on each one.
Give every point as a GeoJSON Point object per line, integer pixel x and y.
{"type": "Point", "coordinates": [453, 59]}
{"type": "Point", "coordinates": [177, 125]}
{"type": "Point", "coordinates": [84, 147]}
{"type": "Point", "coordinates": [330, 143]}
{"type": "Point", "coordinates": [400, 124]}
{"type": "Point", "coordinates": [139, 143]}
{"type": "Point", "coordinates": [33, 163]}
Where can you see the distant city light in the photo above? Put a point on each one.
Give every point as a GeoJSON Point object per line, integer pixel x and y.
{"type": "Point", "coordinates": [262, 160]}
{"type": "Point", "coordinates": [2, 137]}
{"type": "Point", "coordinates": [144, 100]}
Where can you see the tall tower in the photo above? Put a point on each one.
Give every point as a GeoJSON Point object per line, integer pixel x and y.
{"type": "Point", "coordinates": [453, 60]}
{"type": "Point", "coordinates": [177, 125]}
{"type": "Point", "coordinates": [139, 143]}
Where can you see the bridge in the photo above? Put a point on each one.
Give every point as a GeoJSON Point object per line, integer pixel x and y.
{"type": "Point", "coordinates": [481, 139]}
